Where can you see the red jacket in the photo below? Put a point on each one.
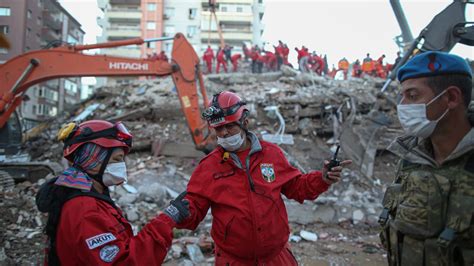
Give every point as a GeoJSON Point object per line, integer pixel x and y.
{"type": "Point", "coordinates": [92, 232]}
{"type": "Point", "coordinates": [221, 56]}
{"type": "Point", "coordinates": [250, 225]}
{"type": "Point", "coordinates": [279, 50]}
{"type": "Point", "coordinates": [235, 58]}
{"type": "Point", "coordinates": [208, 55]}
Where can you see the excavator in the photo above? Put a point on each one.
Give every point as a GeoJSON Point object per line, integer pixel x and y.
{"type": "Point", "coordinates": [21, 72]}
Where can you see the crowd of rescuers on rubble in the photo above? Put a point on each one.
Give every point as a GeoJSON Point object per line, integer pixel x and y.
{"type": "Point", "coordinates": [427, 216]}
{"type": "Point", "coordinates": [272, 61]}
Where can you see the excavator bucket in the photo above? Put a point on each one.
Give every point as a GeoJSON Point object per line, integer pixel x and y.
{"type": "Point", "coordinates": [439, 34]}
{"type": "Point", "coordinates": [4, 43]}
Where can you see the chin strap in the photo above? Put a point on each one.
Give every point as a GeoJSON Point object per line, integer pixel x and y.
{"type": "Point", "coordinates": [98, 177]}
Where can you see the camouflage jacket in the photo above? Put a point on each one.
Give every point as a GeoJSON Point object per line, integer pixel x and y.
{"type": "Point", "coordinates": [428, 210]}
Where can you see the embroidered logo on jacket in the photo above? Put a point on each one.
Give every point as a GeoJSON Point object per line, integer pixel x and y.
{"type": "Point", "coordinates": [99, 240]}
{"type": "Point", "coordinates": [267, 172]}
{"type": "Point", "coordinates": [108, 253]}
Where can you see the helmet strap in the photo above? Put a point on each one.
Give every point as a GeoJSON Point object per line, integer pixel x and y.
{"type": "Point", "coordinates": [98, 177]}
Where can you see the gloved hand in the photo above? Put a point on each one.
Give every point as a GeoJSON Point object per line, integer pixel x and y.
{"type": "Point", "coordinates": [178, 210]}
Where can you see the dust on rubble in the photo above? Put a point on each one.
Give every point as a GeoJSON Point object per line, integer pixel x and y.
{"type": "Point", "coordinates": [343, 220]}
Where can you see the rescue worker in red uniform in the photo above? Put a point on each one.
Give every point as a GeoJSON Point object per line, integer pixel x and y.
{"type": "Point", "coordinates": [279, 53]}
{"type": "Point", "coordinates": [303, 58]}
{"type": "Point", "coordinates": [84, 226]}
{"type": "Point", "coordinates": [162, 56]}
{"type": "Point", "coordinates": [242, 181]}
{"type": "Point", "coordinates": [208, 57]}
{"type": "Point", "coordinates": [221, 61]}
{"type": "Point", "coordinates": [286, 52]}
{"type": "Point", "coordinates": [235, 61]}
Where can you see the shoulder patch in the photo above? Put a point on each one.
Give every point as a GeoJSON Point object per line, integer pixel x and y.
{"type": "Point", "coordinates": [470, 164]}
{"type": "Point", "coordinates": [108, 253]}
{"type": "Point", "coordinates": [99, 240]}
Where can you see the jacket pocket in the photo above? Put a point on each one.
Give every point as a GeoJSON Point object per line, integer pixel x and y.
{"type": "Point", "coordinates": [422, 205]}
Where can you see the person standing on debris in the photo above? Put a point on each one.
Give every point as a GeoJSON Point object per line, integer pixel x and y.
{"type": "Point", "coordinates": [356, 69]}
{"type": "Point", "coordinates": [208, 57]}
{"type": "Point", "coordinates": [84, 226]}
{"type": "Point", "coordinates": [242, 181]}
{"type": "Point", "coordinates": [397, 59]}
{"type": "Point", "coordinates": [279, 53]}
{"type": "Point", "coordinates": [303, 57]}
{"type": "Point", "coordinates": [428, 210]}
{"type": "Point", "coordinates": [162, 56]}
{"type": "Point", "coordinates": [254, 54]}
{"type": "Point", "coordinates": [221, 61]}
{"type": "Point", "coordinates": [235, 61]}
{"type": "Point", "coordinates": [343, 65]}
{"type": "Point", "coordinates": [367, 65]}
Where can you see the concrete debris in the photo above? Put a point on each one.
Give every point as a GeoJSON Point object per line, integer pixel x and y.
{"type": "Point", "coordinates": [316, 112]}
{"type": "Point", "coordinates": [309, 236]}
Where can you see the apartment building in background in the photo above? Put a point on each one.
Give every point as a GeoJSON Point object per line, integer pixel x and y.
{"type": "Point", "coordinates": [240, 21]}
{"type": "Point", "coordinates": [35, 25]}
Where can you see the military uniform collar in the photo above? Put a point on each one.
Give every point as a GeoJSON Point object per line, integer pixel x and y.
{"type": "Point", "coordinates": [419, 151]}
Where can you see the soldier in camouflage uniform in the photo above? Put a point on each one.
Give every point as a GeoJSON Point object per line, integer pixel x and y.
{"type": "Point", "coordinates": [428, 210]}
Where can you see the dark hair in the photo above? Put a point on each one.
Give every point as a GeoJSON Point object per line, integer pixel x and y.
{"type": "Point", "coordinates": [463, 82]}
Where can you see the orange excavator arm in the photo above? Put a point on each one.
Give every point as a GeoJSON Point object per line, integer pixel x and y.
{"type": "Point", "coordinates": [26, 70]}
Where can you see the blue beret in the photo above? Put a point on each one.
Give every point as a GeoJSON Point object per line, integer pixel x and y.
{"type": "Point", "coordinates": [433, 64]}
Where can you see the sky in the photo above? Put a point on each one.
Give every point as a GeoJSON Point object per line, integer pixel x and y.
{"type": "Point", "coordinates": [349, 28]}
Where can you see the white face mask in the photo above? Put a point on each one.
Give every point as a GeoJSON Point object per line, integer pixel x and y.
{"type": "Point", "coordinates": [231, 143]}
{"type": "Point", "coordinates": [115, 174]}
{"type": "Point", "coordinates": [414, 120]}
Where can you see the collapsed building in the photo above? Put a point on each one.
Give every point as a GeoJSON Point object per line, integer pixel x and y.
{"type": "Point", "coordinates": [307, 115]}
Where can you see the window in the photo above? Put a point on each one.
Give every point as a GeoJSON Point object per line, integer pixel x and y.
{"type": "Point", "coordinates": [169, 30]}
{"type": "Point", "coordinates": [169, 12]}
{"type": "Point", "coordinates": [152, 45]}
{"type": "Point", "coordinates": [168, 48]}
{"type": "Point", "coordinates": [3, 51]}
{"type": "Point", "coordinates": [260, 1]}
{"type": "Point", "coordinates": [40, 92]}
{"type": "Point", "coordinates": [151, 6]}
{"type": "Point", "coordinates": [4, 11]}
{"type": "Point", "coordinates": [70, 86]}
{"type": "Point", "coordinates": [192, 31]}
{"type": "Point", "coordinates": [28, 32]}
{"type": "Point", "coordinates": [4, 29]}
{"type": "Point", "coordinates": [224, 9]}
{"type": "Point", "coordinates": [38, 20]}
{"type": "Point", "coordinates": [240, 9]}
{"type": "Point", "coordinates": [192, 13]}
{"type": "Point", "coordinates": [29, 14]}
{"type": "Point", "coordinates": [34, 109]}
{"type": "Point", "coordinates": [71, 39]}
{"type": "Point", "coordinates": [151, 25]}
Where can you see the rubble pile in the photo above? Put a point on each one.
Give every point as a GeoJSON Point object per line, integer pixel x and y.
{"type": "Point", "coordinates": [315, 110]}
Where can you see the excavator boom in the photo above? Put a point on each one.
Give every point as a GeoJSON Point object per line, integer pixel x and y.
{"type": "Point", "coordinates": [26, 70]}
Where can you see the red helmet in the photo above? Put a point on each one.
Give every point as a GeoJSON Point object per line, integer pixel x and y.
{"type": "Point", "coordinates": [100, 132]}
{"type": "Point", "coordinates": [226, 107]}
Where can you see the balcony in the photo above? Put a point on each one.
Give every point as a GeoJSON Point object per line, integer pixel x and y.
{"type": "Point", "coordinates": [229, 16]}
{"type": "Point", "coordinates": [51, 20]}
{"type": "Point", "coordinates": [123, 52]}
{"type": "Point", "coordinates": [237, 36]}
{"type": "Point", "coordinates": [124, 15]}
{"type": "Point", "coordinates": [49, 35]}
{"type": "Point", "coordinates": [123, 32]}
